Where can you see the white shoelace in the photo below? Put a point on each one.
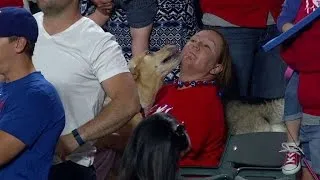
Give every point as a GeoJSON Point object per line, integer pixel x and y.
{"type": "Point", "coordinates": [291, 150]}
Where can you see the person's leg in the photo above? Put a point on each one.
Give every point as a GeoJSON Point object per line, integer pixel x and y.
{"type": "Point", "coordinates": [292, 109]}
{"type": "Point", "coordinates": [71, 171]}
{"type": "Point", "coordinates": [292, 118]}
{"type": "Point", "coordinates": [310, 143]}
{"type": "Point", "coordinates": [304, 140]}
{"type": "Point", "coordinates": [315, 148]}
{"type": "Point", "coordinates": [306, 175]}
{"type": "Point", "coordinates": [268, 81]}
{"type": "Point", "coordinates": [242, 43]}
{"type": "Point", "coordinates": [293, 127]}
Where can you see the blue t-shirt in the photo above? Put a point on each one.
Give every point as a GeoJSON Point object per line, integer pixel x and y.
{"type": "Point", "coordinates": [31, 111]}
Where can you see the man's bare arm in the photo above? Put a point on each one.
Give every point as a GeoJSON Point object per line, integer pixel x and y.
{"type": "Point", "coordinates": [119, 139]}
{"type": "Point", "coordinates": [10, 147]}
{"type": "Point", "coordinates": [140, 39]}
{"type": "Point", "coordinates": [123, 106]}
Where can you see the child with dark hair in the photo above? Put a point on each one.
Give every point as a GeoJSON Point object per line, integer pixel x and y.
{"type": "Point", "coordinates": [154, 150]}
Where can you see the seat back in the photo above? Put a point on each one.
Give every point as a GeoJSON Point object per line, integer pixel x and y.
{"type": "Point", "coordinates": [248, 156]}
{"type": "Point", "coordinates": [255, 156]}
{"type": "Point", "coordinates": [219, 172]}
{"type": "Point", "coordinates": [256, 150]}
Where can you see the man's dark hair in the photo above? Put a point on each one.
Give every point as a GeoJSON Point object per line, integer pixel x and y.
{"type": "Point", "coordinates": [29, 48]}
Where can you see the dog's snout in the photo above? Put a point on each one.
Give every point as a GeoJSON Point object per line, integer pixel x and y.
{"type": "Point", "coordinates": [172, 48]}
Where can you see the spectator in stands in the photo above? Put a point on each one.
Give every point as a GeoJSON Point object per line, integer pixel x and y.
{"type": "Point", "coordinates": [31, 113]}
{"type": "Point", "coordinates": [194, 98]}
{"type": "Point", "coordinates": [154, 150]}
{"type": "Point", "coordinates": [85, 64]}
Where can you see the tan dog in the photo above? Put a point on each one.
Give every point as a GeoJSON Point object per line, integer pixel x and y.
{"type": "Point", "coordinates": [148, 70]}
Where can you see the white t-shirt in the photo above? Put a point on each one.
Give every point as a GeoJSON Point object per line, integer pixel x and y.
{"type": "Point", "coordinates": [76, 61]}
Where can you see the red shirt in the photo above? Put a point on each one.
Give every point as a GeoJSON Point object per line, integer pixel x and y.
{"type": "Point", "coordinates": [303, 55]}
{"type": "Point", "coordinates": [201, 110]}
{"type": "Point", "coordinates": [244, 13]}
{"type": "Point", "coordinates": [8, 3]}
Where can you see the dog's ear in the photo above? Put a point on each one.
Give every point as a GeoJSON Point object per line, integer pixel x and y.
{"type": "Point", "coordinates": [133, 69]}
{"type": "Point", "coordinates": [134, 63]}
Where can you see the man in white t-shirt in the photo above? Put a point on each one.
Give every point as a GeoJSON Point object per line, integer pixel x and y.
{"type": "Point", "coordinates": [84, 64]}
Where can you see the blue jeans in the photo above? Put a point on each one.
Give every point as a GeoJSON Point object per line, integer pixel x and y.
{"type": "Point", "coordinates": [310, 144]}
{"type": "Point", "coordinates": [257, 74]}
{"type": "Point", "coordinates": [292, 107]}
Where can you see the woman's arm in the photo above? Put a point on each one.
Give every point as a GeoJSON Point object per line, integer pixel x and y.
{"type": "Point", "coordinates": [102, 13]}
{"type": "Point", "coordinates": [99, 18]}
{"type": "Point", "coordinates": [140, 16]}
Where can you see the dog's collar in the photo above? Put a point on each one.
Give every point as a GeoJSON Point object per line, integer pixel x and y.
{"type": "Point", "coordinates": [181, 84]}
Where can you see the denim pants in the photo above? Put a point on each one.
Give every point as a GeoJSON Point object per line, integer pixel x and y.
{"type": "Point", "coordinates": [292, 107]}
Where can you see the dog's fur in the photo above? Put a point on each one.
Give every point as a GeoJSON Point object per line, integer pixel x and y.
{"type": "Point", "coordinates": [246, 118]}
{"type": "Point", "coordinates": [148, 70]}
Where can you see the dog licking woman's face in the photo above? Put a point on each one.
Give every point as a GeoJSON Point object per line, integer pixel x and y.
{"type": "Point", "coordinates": [200, 56]}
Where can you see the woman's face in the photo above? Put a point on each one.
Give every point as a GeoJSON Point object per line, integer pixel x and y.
{"type": "Point", "coordinates": [201, 53]}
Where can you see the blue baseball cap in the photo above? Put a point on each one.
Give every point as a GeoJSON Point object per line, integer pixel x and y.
{"type": "Point", "coordinates": [19, 22]}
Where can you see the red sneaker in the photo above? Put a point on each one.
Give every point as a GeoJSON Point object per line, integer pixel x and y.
{"type": "Point", "coordinates": [292, 161]}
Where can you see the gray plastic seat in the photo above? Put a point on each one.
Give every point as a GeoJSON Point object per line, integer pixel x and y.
{"type": "Point", "coordinates": [248, 156]}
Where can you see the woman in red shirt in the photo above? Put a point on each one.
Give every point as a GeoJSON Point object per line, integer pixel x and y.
{"type": "Point", "coordinates": [7, 3]}
{"type": "Point", "coordinates": [194, 99]}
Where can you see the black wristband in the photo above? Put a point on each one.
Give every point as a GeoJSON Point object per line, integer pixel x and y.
{"type": "Point", "coordinates": [77, 136]}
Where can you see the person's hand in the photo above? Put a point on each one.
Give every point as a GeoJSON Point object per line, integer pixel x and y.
{"type": "Point", "coordinates": [104, 6]}
{"type": "Point", "coordinates": [286, 27]}
{"type": "Point", "coordinates": [66, 145]}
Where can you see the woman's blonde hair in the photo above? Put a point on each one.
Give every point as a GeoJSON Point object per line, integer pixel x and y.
{"type": "Point", "coordinates": [224, 77]}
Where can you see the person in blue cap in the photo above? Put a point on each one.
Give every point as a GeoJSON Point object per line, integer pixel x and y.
{"type": "Point", "coordinates": [31, 114]}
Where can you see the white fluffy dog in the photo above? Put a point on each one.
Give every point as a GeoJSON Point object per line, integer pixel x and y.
{"type": "Point", "coordinates": [246, 118]}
